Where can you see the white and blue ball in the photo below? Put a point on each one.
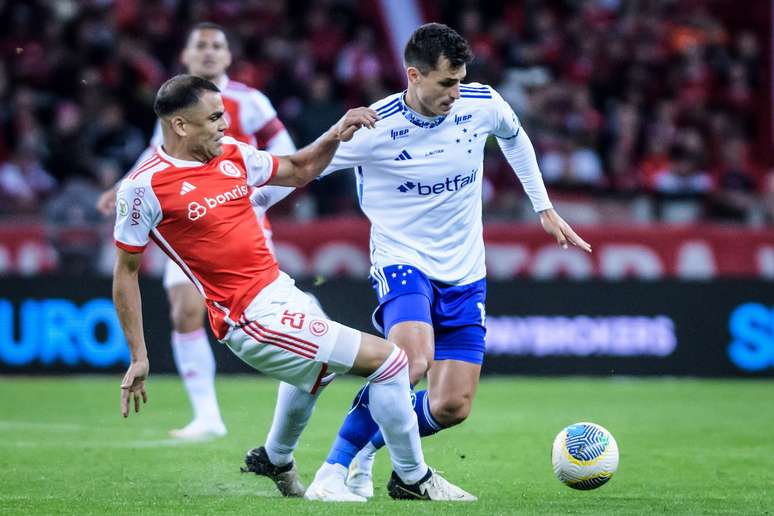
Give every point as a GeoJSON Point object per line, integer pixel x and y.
{"type": "Point", "coordinates": [585, 456]}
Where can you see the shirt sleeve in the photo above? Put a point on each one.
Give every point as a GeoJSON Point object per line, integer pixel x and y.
{"type": "Point", "coordinates": [506, 124]}
{"type": "Point", "coordinates": [265, 197]}
{"type": "Point", "coordinates": [260, 165]}
{"type": "Point", "coordinates": [353, 153]}
{"type": "Point", "coordinates": [137, 213]}
{"type": "Point", "coordinates": [521, 156]}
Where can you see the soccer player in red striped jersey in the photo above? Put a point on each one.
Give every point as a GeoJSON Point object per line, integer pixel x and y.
{"type": "Point", "coordinates": [251, 119]}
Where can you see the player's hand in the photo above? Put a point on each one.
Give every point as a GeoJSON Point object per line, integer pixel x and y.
{"type": "Point", "coordinates": [353, 120]}
{"type": "Point", "coordinates": [133, 386]}
{"type": "Point", "coordinates": [556, 226]}
{"type": "Point", "coordinates": [106, 204]}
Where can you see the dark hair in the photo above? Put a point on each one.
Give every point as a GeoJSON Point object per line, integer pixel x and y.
{"type": "Point", "coordinates": [206, 25]}
{"type": "Point", "coordinates": [180, 92]}
{"type": "Point", "coordinates": [433, 40]}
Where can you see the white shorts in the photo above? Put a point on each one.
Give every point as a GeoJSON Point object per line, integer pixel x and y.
{"type": "Point", "coordinates": [285, 335]}
{"type": "Point", "coordinates": [174, 275]}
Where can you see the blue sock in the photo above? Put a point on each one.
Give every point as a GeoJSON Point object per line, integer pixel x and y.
{"type": "Point", "coordinates": [427, 424]}
{"type": "Point", "coordinates": [355, 431]}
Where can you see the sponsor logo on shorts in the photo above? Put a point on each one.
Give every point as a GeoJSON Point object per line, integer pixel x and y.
{"type": "Point", "coordinates": [318, 328]}
{"type": "Point", "coordinates": [229, 169]}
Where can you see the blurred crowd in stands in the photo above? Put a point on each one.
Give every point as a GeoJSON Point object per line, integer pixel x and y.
{"type": "Point", "coordinates": [640, 111]}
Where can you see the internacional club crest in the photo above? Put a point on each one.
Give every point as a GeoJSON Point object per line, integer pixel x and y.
{"type": "Point", "coordinates": [318, 328]}
{"type": "Point", "coordinates": [228, 168]}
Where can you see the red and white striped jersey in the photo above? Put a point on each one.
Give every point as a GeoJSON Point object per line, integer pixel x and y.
{"type": "Point", "coordinates": [200, 215]}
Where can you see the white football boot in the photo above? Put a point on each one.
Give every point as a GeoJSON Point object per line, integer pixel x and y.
{"type": "Point", "coordinates": [329, 485]}
{"type": "Point", "coordinates": [432, 487]}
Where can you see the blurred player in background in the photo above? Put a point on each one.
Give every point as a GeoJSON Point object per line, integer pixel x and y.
{"type": "Point", "coordinates": [419, 179]}
{"type": "Point", "coordinates": [251, 119]}
{"type": "Point", "coordinates": [253, 307]}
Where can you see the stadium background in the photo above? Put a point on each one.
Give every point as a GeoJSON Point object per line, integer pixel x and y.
{"type": "Point", "coordinates": [652, 122]}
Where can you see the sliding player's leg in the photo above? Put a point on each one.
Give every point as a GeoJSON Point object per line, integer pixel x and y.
{"type": "Point", "coordinates": [275, 458]}
{"type": "Point", "coordinates": [289, 341]}
{"type": "Point", "coordinates": [292, 411]}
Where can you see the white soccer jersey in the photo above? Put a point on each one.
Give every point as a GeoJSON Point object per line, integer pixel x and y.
{"type": "Point", "coordinates": [419, 182]}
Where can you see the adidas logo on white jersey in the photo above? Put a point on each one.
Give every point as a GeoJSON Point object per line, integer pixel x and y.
{"type": "Point", "coordinates": [186, 187]}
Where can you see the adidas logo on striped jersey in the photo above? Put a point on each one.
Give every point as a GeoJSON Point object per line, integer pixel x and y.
{"type": "Point", "coordinates": [404, 155]}
{"type": "Point", "coordinates": [186, 187]}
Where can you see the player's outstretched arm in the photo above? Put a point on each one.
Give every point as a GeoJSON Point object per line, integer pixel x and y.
{"type": "Point", "coordinates": [520, 153]}
{"type": "Point", "coordinates": [126, 298]}
{"type": "Point", "coordinates": [308, 163]}
{"type": "Point", "coordinates": [564, 234]}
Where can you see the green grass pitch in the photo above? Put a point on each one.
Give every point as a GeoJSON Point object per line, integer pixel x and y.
{"type": "Point", "coordinates": [687, 447]}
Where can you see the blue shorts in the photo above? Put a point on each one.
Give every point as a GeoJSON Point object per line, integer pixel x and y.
{"type": "Point", "coordinates": [456, 312]}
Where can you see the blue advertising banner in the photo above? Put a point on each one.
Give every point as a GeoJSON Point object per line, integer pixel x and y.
{"type": "Point", "coordinates": [56, 325]}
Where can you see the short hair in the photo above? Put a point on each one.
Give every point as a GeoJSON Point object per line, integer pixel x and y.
{"type": "Point", "coordinates": [206, 25]}
{"type": "Point", "coordinates": [180, 92]}
{"type": "Point", "coordinates": [433, 40]}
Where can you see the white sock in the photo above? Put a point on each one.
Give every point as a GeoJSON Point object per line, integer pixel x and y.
{"type": "Point", "coordinates": [365, 457]}
{"type": "Point", "coordinates": [390, 406]}
{"type": "Point", "coordinates": [291, 414]}
{"type": "Point", "coordinates": [196, 365]}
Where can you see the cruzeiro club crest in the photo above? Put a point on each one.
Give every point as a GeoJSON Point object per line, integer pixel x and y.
{"type": "Point", "coordinates": [228, 168]}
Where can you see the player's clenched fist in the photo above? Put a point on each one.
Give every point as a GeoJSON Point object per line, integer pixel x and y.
{"type": "Point", "coordinates": [353, 120]}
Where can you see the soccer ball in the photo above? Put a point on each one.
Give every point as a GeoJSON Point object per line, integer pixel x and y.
{"type": "Point", "coordinates": [585, 456]}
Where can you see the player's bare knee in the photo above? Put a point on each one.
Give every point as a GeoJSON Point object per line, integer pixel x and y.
{"type": "Point", "coordinates": [371, 355]}
{"type": "Point", "coordinates": [450, 411]}
{"type": "Point", "coordinates": [416, 339]}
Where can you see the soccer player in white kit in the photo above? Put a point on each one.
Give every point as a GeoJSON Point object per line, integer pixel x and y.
{"type": "Point", "coordinates": [252, 119]}
{"type": "Point", "coordinates": [419, 179]}
{"type": "Point", "coordinates": [212, 233]}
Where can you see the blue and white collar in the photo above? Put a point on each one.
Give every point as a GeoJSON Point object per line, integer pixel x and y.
{"type": "Point", "coordinates": [418, 120]}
